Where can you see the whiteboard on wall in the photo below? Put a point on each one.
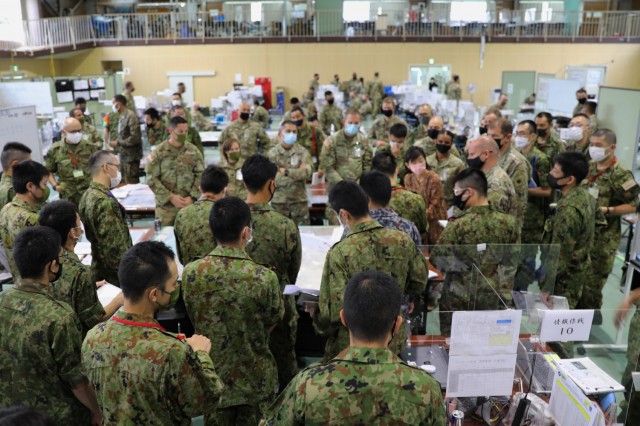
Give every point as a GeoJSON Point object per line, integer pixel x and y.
{"type": "Point", "coordinates": [619, 110]}
{"type": "Point", "coordinates": [20, 124]}
{"type": "Point", "coordinates": [556, 96]}
{"type": "Point", "coordinates": [26, 93]}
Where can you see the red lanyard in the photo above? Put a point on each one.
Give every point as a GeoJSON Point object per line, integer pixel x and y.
{"type": "Point", "coordinates": [74, 161]}
{"type": "Point", "coordinates": [396, 188]}
{"type": "Point", "coordinates": [145, 325]}
{"type": "Point", "coordinates": [595, 178]}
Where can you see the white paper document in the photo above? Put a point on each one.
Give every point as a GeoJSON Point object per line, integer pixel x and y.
{"type": "Point", "coordinates": [590, 378]}
{"type": "Point", "coordinates": [487, 375]}
{"type": "Point", "coordinates": [107, 293]}
{"type": "Point", "coordinates": [570, 406]}
{"type": "Point", "coordinates": [485, 332]}
{"type": "Point", "coordinates": [294, 290]}
{"type": "Point", "coordinates": [82, 248]}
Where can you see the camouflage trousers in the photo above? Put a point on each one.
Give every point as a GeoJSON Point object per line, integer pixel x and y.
{"type": "Point", "coordinates": [633, 353]}
{"type": "Point", "coordinates": [602, 264]}
{"type": "Point", "coordinates": [376, 104]}
{"type": "Point", "coordinates": [235, 415]}
{"type": "Point", "coordinates": [130, 171]}
{"type": "Point", "coordinates": [282, 343]}
{"type": "Point", "coordinates": [167, 214]}
{"type": "Point", "coordinates": [298, 212]}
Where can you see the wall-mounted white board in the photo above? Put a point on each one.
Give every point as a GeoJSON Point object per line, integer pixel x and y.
{"type": "Point", "coordinates": [556, 96]}
{"type": "Point", "coordinates": [26, 93]}
{"type": "Point", "coordinates": [20, 124]}
{"type": "Point", "coordinates": [619, 110]}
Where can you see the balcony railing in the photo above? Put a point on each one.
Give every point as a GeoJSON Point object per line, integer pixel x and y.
{"type": "Point", "coordinates": [432, 25]}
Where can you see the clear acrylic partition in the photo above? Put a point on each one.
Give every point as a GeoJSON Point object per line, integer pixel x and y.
{"type": "Point", "coordinates": [485, 277]}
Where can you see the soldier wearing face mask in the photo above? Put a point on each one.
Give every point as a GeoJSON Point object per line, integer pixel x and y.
{"type": "Point", "coordinates": [547, 141]}
{"type": "Point", "coordinates": [68, 161]}
{"type": "Point", "coordinates": [581, 97]}
{"type": "Point", "coordinates": [251, 135]}
{"type": "Point", "coordinates": [104, 217]}
{"type": "Point", "coordinates": [310, 137]}
{"type": "Point", "coordinates": [29, 181]}
{"type": "Point", "coordinates": [128, 94]}
{"type": "Point", "coordinates": [125, 138]}
{"type": "Point", "coordinates": [445, 164]}
{"type": "Point", "coordinates": [173, 172]}
{"type": "Point", "coordinates": [398, 146]}
{"type": "Point", "coordinates": [379, 131]}
{"type": "Point", "coordinates": [90, 133]}
{"type": "Point", "coordinates": [330, 114]}
{"type": "Point", "coordinates": [428, 144]}
{"type": "Point", "coordinates": [577, 135]}
{"type": "Point", "coordinates": [616, 192]}
{"type": "Point", "coordinates": [424, 113]}
{"type": "Point", "coordinates": [156, 130]}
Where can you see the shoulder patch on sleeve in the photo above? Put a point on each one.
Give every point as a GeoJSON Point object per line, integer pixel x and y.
{"type": "Point", "coordinates": [629, 184]}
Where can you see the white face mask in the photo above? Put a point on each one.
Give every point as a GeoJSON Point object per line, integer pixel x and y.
{"type": "Point", "coordinates": [571, 134]}
{"type": "Point", "coordinates": [115, 181]}
{"type": "Point", "coordinates": [176, 102]}
{"type": "Point", "coordinates": [74, 138]}
{"type": "Point", "coordinates": [521, 142]}
{"type": "Point", "coordinates": [597, 153]}
{"type": "Point", "coordinates": [249, 237]}
{"type": "Point", "coordinates": [114, 107]}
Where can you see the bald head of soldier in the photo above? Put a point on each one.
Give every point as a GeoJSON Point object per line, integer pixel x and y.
{"type": "Point", "coordinates": [371, 309]}
{"type": "Point", "coordinates": [424, 114]}
{"type": "Point", "coordinates": [244, 112]}
{"type": "Point", "coordinates": [12, 154]}
{"type": "Point", "coordinates": [483, 153]}
{"type": "Point", "coordinates": [72, 131]}
{"type": "Point", "coordinates": [436, 125]}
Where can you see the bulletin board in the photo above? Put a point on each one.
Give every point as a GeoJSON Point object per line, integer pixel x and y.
{"type": "Point", "coordinates": [591, 77]}
{"type": "Point", "coordinates": [19, 124]}
{"type": "Point", "coordinates": [619, 110]}
{"type": "Point", "coordinates": [518, 85]}
{"type": "Point", "coordinates": [556, 96]}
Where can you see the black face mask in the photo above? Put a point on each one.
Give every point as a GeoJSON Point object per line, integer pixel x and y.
{"type": "Point", "coordinates": [442, 148]}
{"type": "Point", "coordinates": [330, 101]}
{"type": "Point", "coordinates": [458, 202]}
{"type": "Point", "coordinates": [387, 112]}
{"type": "Point", "coordinates": [483, 130]}
{"type": "Point", "coordinates": [499, 142]}
{"type": "Point", "coordinates": [553, 182]}
{"type": "Point", "coordinates": [57, 274]}
{"type": "Point", "coordinates": [433, 133]}
{"type": "Point", "coordinates": [542, 132]}
{"type": "Point", "coordinates": [298, 123]}
{"type": "Point", "coordinates": [271, 193]}
{"type": "Point", "coordinates": [475, 163]}
{"type": "Point", "coordinates": [244, 116]}
{"type": "Point", "coordinates": [424, 120]}
{"type": "Point", "coordinates": [582, 100]}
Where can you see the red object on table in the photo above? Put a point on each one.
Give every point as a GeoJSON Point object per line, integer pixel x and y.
{"type": "Point", "coordinates": [265, 82]}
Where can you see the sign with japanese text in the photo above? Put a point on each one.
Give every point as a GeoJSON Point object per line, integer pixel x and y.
{"type": "Point", "coordinates": [566, 325]}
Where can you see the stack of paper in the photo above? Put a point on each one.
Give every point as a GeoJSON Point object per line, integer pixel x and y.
{"type": "Point", "coordinates": [107, 293]}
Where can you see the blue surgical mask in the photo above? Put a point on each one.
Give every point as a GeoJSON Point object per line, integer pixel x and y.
{"type": "Point", "coordinates": [289, 138]}
{"type": "Point", "coordinates": [351, 129]}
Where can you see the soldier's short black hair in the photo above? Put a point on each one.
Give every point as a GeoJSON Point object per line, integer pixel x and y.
{"type": "Point", "coordinates": [80, 100]}
{"type": "Point", "coordinates": [413, 153]}
{"type": "Point", "coordinates": [581, 90]}
{"type": "Point", "coordinates": [377, 186]}
{"type": "Point", "coordinates": [59, 215]}
{"type": "Point", "coordinates": [372, 301]}
{"type": "Point", "coordinates": [257, 170]}
{"type": "Point", "coordinates": [384, 162]}
{"type": "Point", "coordinates": [505, 125]}
{"type": "Point", "coordinates": [573, 164]}
{"type": "Point", "coordinates": [73, 110]}
{"type": "Point", "coordinates": [25, 172]}
{"type": "Point", "coordinates": [531, 124]}
{"type": "Point", "coordinates": [290, 122]}
{"type": "Point", "coordinates": [128, 84]}
{"type": "Point", "coordinates": [608, 135]}
{"type": "Point", "coordinates": [294, 100]}
{"type": "Point", "coordinates": [448, 133]}
{"type": "Point", "coordinates": [348, 195]}
{"type": "Point", "coordinates": [214, 180]}
{"type": "Point", "coordinates": [546, 115]}
{"type": "Point", "coordinates": [35, 246]}
{"type": "Point", "coordinates": [143, 266]}
{"type": "Point", "coordinates": [312, 118]}
{"type": "Point", "coordinates": [173, 123]}
{"type": "Point", "coordinates": [120, 99]}
{"type": "Point", "coordinates": [298, 109]}
{"type": "Point", "coordinates": [18, 415]}
{"type": "Point", "coordinates": [398, 130]}
{"type": "Point", "coordinates": [153, 113]}
{"type": "Point", "coordinates": [328, 93]}
{"type": "Point", "coordinates": [228, 217]}
{"type": "Point", "coordinates": [99, 159]}
{"type": "Point", "coordinates": [13, 151]}
{"type": "Point", "coordinates": [591, 106]}
{"type": "Point", "coordinates": [472, 178]}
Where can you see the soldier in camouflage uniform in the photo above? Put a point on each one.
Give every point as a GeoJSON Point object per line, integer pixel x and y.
{"type": "Point", "coordinates": [514, 163]}
{"type": "Point", "coordinates": [477, 223]}
{"type": "Point", "coordinates": [453, 90]}
{"type": "Point", "coordinates": [40, 338]}
{"type": "Point", "coordinates": [81, 103]}
{"type": "Point", "coordinates": [68, 160]}
{"type": "Point", "coordinates": [483, 155]}
{"type": "Point", "coordinates": [309, 137]}
{"type": "Point", "coordinates": [367, 246]}
{"type": "Point", "coordinates": [128, 94]}
{"type": "Point", "coordinates": [163, 378]}
{"type": "Point", "coordinates": [375, 91]}
{"type": "Point", "coordinates": [295, 103]}
{"type": "Point", "coordinates": [252, 137]}
{"type": "Point", "coordinates": [89, 133]}
{"type": "Point", "coordinates": [616, 193]}
{"type": "Point", "coordinates": [236, 303]}
{"type": "Point", "coordinates": [547, 142]}
{"type": "Point", "coordinates": [12, 154]}
{"type": "Point", "coordinates": [445, 164]}
{"type": "Point", "coordinates": [379, 131]}
{"type": "Point", "coordinates": [398, 147]}
{"type": "Point", "coordinates": [424, 113]}
{"type": "Point", "coordinates": [330, 115]}
{"type": "Point", "coordinates": [104, 218]}
{"type": "Point", "coordinates": [276, 244]}
{"type": "Point", "coordinates": [75, 286]}
{"type": "Point", "coordinates": [407, 204]}
{"type": "Point", "coordinates": [387, 391]}
{"type": "Point", "coordinates": [294, 169]}
{"type": "Point", "coordinates": [193, 136]}
{"type": "Point", "coordinates": [155, 128]}
{"type": "Point", "coordinates": [193, 234]}
{"type": "Point", "coordinates": [632, 403]}
{"type": "Point", "coordinates": [260, 114]}
{"type": "Point", "coordinates": [125, 138]}
{"type": "Point", "coordinates": [582, 130]}
{"type": "Point", "coordinates": [173, 172]}
{"type": "Point", "coordinates": [232, 162]}
{"type": "Point", "coordinates": [428, 143]}
{"type": "Point", "coordinates": [199, 121]}
{"type": "Point", "coordinates": [22, 211]}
